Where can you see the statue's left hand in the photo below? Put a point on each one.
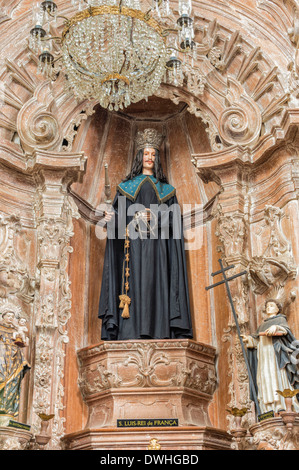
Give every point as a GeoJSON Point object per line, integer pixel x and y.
{"type": "Point", "coordinates": [273, 330]}
{"type": "Point", "coordinates": [108, 216]}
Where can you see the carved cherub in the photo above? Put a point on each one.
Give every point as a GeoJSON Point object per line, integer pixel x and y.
{"type": "Point", "coordinates": [19, 336]}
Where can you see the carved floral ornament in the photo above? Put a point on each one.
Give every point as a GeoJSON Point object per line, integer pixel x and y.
{"type": "Point", "coordinates": [146, 365]}
{"type": "Point", "coordinates": [14, 274]}
{"type": "Point", "coordinates": [274, 265]}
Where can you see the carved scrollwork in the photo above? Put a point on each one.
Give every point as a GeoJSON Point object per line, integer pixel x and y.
{"type": "Point", "coordinates": [43, 128]}
{"type": "Point", "coordinates": [200, 377]}
{"type": "Point", "coordinates": [241, 122]}
{"type": "Point", "coordinates": [37, 124]}
{"type": "Point", "coordinates": [145, 365]}
{"type": "Point", "coordinates": [93, 380]}
{"type": "Point", "coordinates": [231, 231]}
{"type": "Point", "coordinates": [146, 361]}
{"type": "Point", "coordinates": [14, 275]}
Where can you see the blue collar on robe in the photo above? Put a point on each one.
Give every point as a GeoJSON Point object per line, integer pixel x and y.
{"type": "Point", "coordinates": [131, 188]}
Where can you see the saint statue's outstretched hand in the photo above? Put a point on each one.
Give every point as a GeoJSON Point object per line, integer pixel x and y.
{"type": "Point", "coordinates": [144, 293]}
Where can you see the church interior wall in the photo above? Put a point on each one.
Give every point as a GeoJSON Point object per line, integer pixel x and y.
{"type": "Point", "coordinates": [244, 177]}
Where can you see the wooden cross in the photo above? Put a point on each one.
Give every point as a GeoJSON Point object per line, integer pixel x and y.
{"type": "Point", "coordinates": [226, 282]}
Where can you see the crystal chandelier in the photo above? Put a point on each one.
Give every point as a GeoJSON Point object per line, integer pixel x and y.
{"type": "Point", "coordinates": [111, 50]}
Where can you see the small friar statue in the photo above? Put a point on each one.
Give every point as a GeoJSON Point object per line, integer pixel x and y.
{"type": "Point", "coordinates": [273, 356]}
{"type": "Point", "coordinates": [144, 292]}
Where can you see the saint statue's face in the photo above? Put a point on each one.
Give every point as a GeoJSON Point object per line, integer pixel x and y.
{"type": "Point", "coordinates": [8, 318]}
{"type": "Point", "coordinates": [149, 155]}
{"type": "Point", "coordinates": [271, 308]}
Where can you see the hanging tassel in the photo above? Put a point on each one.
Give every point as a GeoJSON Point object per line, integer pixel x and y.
{"type": "Point", "coordinates": [126, 313]}
{"type": "Point", "coordinates": [124, 298]}
{"type": "Point", "coordinates": [124, 303]}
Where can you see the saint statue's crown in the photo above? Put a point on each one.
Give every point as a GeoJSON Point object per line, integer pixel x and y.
{"type": "Point", "coordinates": [148, 138]}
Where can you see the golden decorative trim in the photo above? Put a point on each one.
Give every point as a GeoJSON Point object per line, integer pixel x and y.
{"type": "Point", "coordinates": [154, 444]}
{"type": "Point", "coordinates": [117, 76]}
{"type": "Point", "coordinates": [112, 10]}
{"type": "Point", "coordinates": [125, 300]}
{"type": "Point", "coordinates": [14, 374]}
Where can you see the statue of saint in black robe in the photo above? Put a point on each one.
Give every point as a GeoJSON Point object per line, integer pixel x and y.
{"type": "Point", "coordinates": [153, 257]}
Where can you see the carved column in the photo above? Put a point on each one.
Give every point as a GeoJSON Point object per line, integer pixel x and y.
{"type": "Point", "coordinates": [233, 233]}
{"type": "Point", "coordinates": [54, 211]}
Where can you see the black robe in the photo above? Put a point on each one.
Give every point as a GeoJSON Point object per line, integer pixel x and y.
{"type": "Point", "coordinates": [159, 295]}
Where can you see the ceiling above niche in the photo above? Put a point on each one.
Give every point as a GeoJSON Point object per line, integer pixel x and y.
{"type": "Point", "coordinates": [155, 108]}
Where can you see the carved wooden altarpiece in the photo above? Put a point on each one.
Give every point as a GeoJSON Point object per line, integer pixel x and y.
{"type": "Point", "coordinates": [231, 150]}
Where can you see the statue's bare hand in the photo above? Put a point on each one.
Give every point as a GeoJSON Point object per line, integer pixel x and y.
{"type": "Point", "coordinates": [272, 330]}
{"type": "Point", "coordinates": [108, 216]}
{"type": "Point", "coordinates": [244, 338]}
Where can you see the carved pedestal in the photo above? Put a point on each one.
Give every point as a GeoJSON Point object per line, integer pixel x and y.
{"type": "Point", "coordinates": [14, 439]}
{"type": "Point", "coordinates": [148, 380]}
{"type": "Point", "coordinates": [274, 434]}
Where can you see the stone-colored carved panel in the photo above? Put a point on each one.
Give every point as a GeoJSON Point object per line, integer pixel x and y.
{"type": "Point", "coordinates": [275, 265]}
{"type": "Point", "coordinates": [147, 379]}
{"type": "Point", "coordinates": [241, 121]}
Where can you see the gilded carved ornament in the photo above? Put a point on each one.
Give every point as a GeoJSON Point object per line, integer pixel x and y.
{"type": "Point", "coordinates": [37, 124]}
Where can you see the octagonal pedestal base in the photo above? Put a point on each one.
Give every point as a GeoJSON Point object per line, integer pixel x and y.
{"type": "Point", "coordinates": [148, 380]}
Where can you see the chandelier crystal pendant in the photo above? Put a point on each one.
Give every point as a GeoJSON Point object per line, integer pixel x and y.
{"type": "Point", "coordinates": [111, 50]}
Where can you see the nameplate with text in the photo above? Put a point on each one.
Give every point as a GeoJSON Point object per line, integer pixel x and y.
{"type": "Point", "coordinates": [17, 425]}
{"type": "Point", "coordinates": [147, 423]}
{"type": "Point", "coordinates": [267, 415]}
